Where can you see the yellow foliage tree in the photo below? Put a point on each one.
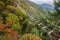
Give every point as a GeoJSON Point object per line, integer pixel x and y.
{"type": "Point", "coordinates": [1, 4]}
{"type": "Point", "coordinates": [30, 37]}
{"type": "Point", "coordinates": [20, 11]}
{"type": "Point", "coordinates": [10, 8]}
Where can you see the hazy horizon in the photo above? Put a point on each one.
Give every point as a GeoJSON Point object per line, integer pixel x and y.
{"type": "Point", "coordinates": [44, 1]}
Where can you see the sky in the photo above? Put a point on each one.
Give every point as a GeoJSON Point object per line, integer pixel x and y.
{"type": "Point", "coordinates": [42, 1]}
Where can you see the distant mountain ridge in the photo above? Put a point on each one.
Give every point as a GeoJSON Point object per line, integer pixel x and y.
{"type": "Point", "coordinates": [46, 6]}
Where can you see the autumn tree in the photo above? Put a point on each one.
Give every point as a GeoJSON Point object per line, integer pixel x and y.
{"type": "Point", "coordinates": [30, 37]}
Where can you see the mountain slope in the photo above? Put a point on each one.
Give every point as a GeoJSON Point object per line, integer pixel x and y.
{"type": "Point", "coordinates": [24, 20]}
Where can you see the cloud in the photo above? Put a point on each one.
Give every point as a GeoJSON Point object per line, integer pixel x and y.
{"type": "Point", "coordinates": [42, 1]}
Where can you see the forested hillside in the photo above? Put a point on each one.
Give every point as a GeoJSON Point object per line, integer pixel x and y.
{"type": "Point", "coordinates": [24, 20]}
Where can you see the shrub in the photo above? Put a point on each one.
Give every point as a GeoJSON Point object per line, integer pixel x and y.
{"type": "Point", "coordinates": [35, 31]}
